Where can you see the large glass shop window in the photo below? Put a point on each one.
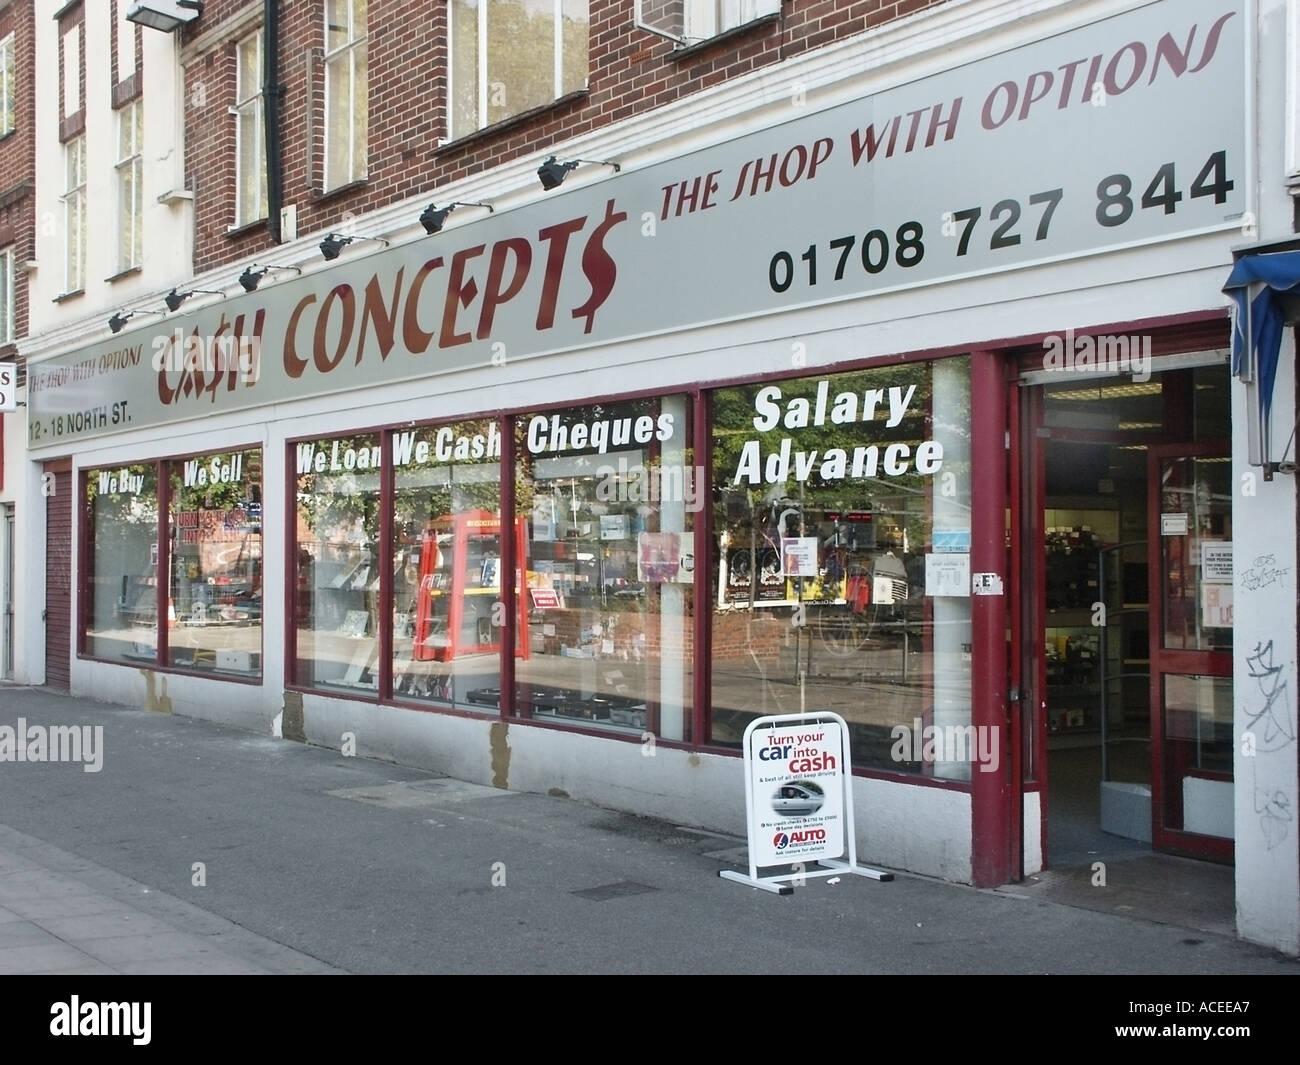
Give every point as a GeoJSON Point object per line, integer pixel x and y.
{"type": "Point", "coordinates": [336, 614]}
{"type": "Point", "coordinates": [608, 496]}
{"type": "Point", "coordinates": [215, 594]}
{"type": "Point", "coordinates": [841, 570]}
{"type": "Point", "coordinates": [122, 620]}
{"type": "Point", "coordinates": [448, 615]}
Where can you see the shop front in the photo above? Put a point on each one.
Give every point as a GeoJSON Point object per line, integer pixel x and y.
{"type": "Point", "coordinates": [831, 414]}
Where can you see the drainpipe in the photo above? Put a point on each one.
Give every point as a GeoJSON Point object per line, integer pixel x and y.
{"type": "Point", "coordinates": [272, 97]}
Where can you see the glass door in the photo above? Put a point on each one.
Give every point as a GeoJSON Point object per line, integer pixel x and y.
{"type": "Point", "coordinates": [1190, 557]}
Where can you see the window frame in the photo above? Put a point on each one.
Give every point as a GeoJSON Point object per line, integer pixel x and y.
{"type": "Point", "coordinates": [356, 123]}
{"type": "Point", "coordinates": [8, 305]}
{"type": "Point", "coordinates": [702, 20]}
{"type": "Point", "coordinates": [130, 248]}
{"type": "Point", "coordinates": [482, 63]}
{"type": "Point", "coordinates": [249, 116]}
{"type": "Point", "coordinates": [74, 214]}
{"type": "Point", "coordinates": [8, 103]}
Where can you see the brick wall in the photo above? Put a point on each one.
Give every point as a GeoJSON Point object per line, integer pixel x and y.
{"type": "Point", "coordinates": [18, 162]}
{"type": "Point", "coordinates": [630, 72]}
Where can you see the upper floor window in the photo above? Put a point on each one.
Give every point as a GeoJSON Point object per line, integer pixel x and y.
{"type": "Point", "coordinates": [130, 199]}
{"type": "Point", "coordinates": [250, 187]}
{"type": "Point", "coordinates": [7, 85]}
{"type": "Point", "coordinates": [708, 18]}
{"type": "Point", "coordinates": [693, 21]}
{"type": "Point", "coordinates": [508, 56]}
{"type": "Point", "coordinates": [125, 40]}
{"type": "Point", "coordinates": [74, 214]}
{"type": "Point", "coordinates": [7, 329]}
{"type": "Point", "coordinates": [346, 96]}
{"type": "Point", "coordinates": [72, 71]}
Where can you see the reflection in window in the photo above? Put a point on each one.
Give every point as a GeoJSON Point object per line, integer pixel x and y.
{"type": "Point", "coordinates": [336, 634]}
{"type": "Point", "coordinates": [841, 570]}
{"type": "Point", "coordinates": [215, 603]}
{"type": "Point", "coordinates": [609, 494]}
{"type": "Point", "coordinates": [508, 56]}
{"type": "Point", "coordinates": [250, 155]}
{"type": "Point", "coordinates": [346, 97]}
{"type": "Point", "coordinates": [122, 614]}
{"type": "Point", "coordinates": [447, 608]}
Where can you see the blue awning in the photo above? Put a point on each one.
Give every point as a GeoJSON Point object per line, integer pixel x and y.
{"type": "Point", "coordinates": [1274, 279]}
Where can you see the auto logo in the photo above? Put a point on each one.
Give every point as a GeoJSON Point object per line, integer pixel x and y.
{"type": "Point", "coordinates": [780, 840]}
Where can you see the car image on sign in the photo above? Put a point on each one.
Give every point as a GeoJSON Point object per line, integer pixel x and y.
{"type": "Point", "coordinates": [798, 799]}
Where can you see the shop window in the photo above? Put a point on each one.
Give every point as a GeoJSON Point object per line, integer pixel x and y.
{"type": "Point", "coordinates": [250, 162]}
{"type": "Point", "coordinates": [336, 615]}
{"type": "Point", "coordinates": [448, 614]}
{"type": "Point", "coordinates": [346, 98]}
{"type": "Point", "coordinates": [121, 614]}
{"type": "Point", "coordinates": [609, 496]}
{"type": "Point", "coordinates": [508, 57]}
{"type": "Point", "coordinates": [215, 597]}
{"type": "Point", "coordinates": [841, 564]}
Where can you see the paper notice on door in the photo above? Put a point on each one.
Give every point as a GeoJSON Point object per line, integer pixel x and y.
{"type": "Point", "coordinates": [947, 575]}
{"type": "Point", "coordinates": [1216, 561]}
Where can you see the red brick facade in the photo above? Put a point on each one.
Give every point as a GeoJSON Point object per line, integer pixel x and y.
{"type": "Point", "coordinates": [631, 71]}
{"type": "Point", "coordinates": [18, 162]}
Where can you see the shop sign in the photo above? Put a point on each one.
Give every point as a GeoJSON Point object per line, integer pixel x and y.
{"type": "Point", "coordinates": [1074, 145]}
{"type": "Point", "coordinates": [8, 386]}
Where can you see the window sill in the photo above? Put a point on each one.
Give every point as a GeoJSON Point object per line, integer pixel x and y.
{"type": "Point", "coordinates": [498, 128]}
{"type": "Point", "coordinates": [689, 51]}
{"type": "Point", "coordinates": [63, 296]}
{"type": "Point", "coordinates": [339, 191]}
{"type": "Point", "coordinates": [128, 272]}
{"type": "Point", "coordinates": [248, 227]}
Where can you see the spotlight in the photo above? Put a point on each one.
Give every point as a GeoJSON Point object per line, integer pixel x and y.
{"type": "Point", "coordinates": [118, 322]}
{"type": "Point", "coordinates": [251, 278]}
{"type": "Point", "coordinates": [334, 243]}
{"type": "Point", "coordinates": [552, 173]}
{"type": "Point", "coordinates": [433, 217]}
{"type": "Point", "coordinates": [174, 299]}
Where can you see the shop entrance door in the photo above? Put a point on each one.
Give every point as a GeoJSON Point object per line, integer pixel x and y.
{"type": "Point", "coordinates": [1190, 577]}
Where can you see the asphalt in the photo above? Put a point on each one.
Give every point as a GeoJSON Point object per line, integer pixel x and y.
{"type": "Point", "coordinates": [199, 849]}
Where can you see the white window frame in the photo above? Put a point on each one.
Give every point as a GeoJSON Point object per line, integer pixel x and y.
{"type": "Point", "coordinates": [125, 40]}
{"type": "Point", "coordinates": [694, 21]}
{"type": "Point", "coordinates": [74, 214]}
{"type": "Point", "coordinates": [350, 125]}
{"type": "Point", "coordinates": [72, 71]}
{"type": "Point", "coordinates": [481, 75]}
{"type": "Point", "coordinates": [8, 118]}
{"type": "Point", "coordinates": [8, 324]}
{"type": "Point", "coordinates": [130, 169]}
{"type": "Point", "coordinates": [703, 19]}
{"type": "Point", "coordinates": [248, 112]}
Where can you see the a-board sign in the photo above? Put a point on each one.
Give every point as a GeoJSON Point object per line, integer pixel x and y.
{"type": "Point", "coordinates": [798, 802]}
{"type": "Point", "coordinates": [797, 795]}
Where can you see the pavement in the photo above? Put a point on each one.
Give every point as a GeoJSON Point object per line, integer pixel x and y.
{"type": "Point", "coordinates": [197, 849]}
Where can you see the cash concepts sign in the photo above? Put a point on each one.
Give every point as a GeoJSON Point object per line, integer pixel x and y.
{"type": "Point", "coordinates": [797, 793]}
{"type": "Point", "coordinates": [1064, 147]}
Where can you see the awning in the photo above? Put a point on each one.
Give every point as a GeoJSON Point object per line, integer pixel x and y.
{"type": "Point", "coordinates": [1265, 289]}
